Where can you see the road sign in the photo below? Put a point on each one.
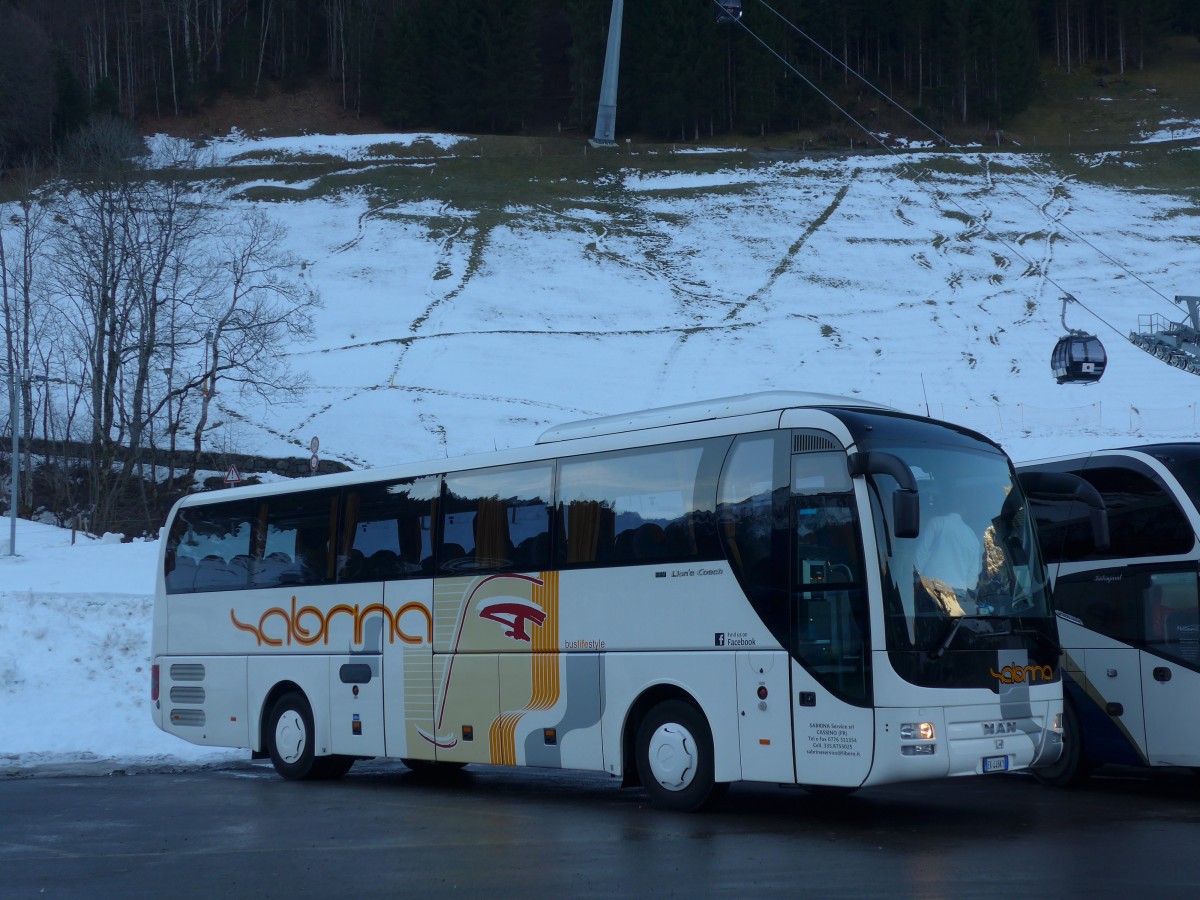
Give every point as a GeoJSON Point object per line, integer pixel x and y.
{"type": "Point", "coordinates": [313, 463]}
{"type": "Point", "coordinates": [232, 477]}
{"type": "Point", "coordinates": [314, 445]}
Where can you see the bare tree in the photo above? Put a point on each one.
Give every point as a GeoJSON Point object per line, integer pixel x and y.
{"type": "Point", "coordinates": [23, 314]}
{"type": "Point", "coordinates": [263, 306]}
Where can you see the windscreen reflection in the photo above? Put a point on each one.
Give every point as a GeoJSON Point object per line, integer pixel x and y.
{"type": "Point", "coordinates": [976, 555]}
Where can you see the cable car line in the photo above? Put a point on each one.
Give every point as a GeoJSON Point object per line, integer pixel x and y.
{"type": "Point", "coordinates": [919, 174]}
{"type": "Point", "coordinates": [958, 147]}
{"type": "Point", "coordinates": [1181, 357]}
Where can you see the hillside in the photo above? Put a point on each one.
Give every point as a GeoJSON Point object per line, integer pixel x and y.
{"type": "Point", "coordinates": [475, 291]}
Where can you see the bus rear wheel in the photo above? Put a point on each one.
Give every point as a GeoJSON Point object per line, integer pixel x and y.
{"type": "Point", "coordinates": [675, 758]}
{"type": "Point", "coordinates": [290, 742]}
{"type": "Point", "coordinates": [1072, 768]}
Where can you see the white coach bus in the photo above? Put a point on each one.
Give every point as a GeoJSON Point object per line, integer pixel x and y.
{"type": "Point", "coordinates": [1129, 612]}
{"type": "Point", "coordinates": [741, 589]}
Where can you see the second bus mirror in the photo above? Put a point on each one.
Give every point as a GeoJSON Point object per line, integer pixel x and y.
{"type": "Point", "coordinates": [906, 514]}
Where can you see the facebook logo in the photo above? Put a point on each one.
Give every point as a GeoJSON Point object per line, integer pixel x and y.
{"type": "Point", "coordinates": [720, 638]}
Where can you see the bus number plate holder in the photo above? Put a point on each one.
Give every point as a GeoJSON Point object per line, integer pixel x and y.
{"type": "Point", "coordinates": [995, 764]}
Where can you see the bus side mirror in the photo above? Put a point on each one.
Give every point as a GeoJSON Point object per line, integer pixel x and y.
{"type": "Point", "coordinates": [906, 514]}
{"type": "Point", "coordinates": [906, 502]}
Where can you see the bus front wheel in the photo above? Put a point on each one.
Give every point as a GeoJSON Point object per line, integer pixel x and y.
{"type": "Point", "coordinates": [675, 758]}
{"type": "Point", "coordinates": [1072, 768]}
{"type": "Point", "coordinates": [290, 742]}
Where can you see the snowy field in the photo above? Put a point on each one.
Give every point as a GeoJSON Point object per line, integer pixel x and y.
{"type": "Point", "coordinates": [74, 656]}
{"type": "Point", "coordinates": [449, 329]}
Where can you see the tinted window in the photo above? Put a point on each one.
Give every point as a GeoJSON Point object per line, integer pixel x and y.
{"type": "Point", "coordinates": [266, 542]}
{"type": "Point", "coordinates": [297, 546]}
{"type": "Point", "coordinates": [752, 522]}
{"type": "Point", "coordinates": [386, 530]}
{"type": "Point", "coordinates": [1172, 614]}
{"type": "Point", "coordinates": [642, 506]}
{"type": "Point", "coordinates": [1104, 600]}
{"type": "Point", "coordinates": [209, 548]}
{"type": "Point", "coordinates": [497, 520]}
{"type": "Point", "coordinates": [1143, 519]}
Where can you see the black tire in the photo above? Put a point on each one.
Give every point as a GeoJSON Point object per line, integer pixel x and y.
{"type": "Point", "coordinates": [675, 758]}
{"type": "Point", "coordinates": [1072, 768]}
{"type": "Point", "coordinates": [290, 742]}
{"type": "Point", "coordinates": [331, 767]}
{"type": "Point", "coordinates": [289, 737]}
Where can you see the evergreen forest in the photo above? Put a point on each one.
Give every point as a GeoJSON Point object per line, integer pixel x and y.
{"type": "Point", "coordinates": [507, 66]}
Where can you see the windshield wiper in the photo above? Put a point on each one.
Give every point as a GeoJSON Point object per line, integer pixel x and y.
{"type": "Point", "coordinates": [939, 651]}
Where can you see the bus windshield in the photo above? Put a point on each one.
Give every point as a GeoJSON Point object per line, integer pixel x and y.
{"type": "Point", "coordinates": [976, 559]}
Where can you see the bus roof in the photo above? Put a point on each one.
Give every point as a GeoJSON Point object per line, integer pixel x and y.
{"type": "Point", "coordinates": [699, 411]}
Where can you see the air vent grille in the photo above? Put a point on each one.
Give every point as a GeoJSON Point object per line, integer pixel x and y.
{"type": "Point", "coordinates": [812, 442]}
{"type": "Point", "coordinates": [187, 694]}
{"type": "Point", "coordinates": [188, 718]}
{"type": "Point", "coordinates": [187, 672]}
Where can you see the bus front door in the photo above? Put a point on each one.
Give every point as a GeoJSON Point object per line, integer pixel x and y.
{"type": "Point", "coordinates": [1170, 664]}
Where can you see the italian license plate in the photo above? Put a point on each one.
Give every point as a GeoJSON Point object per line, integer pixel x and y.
{"type": "Point", "coordinates": [995, 764]}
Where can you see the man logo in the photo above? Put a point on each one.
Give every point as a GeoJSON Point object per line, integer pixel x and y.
{"type": "Point", "coordinates": [720, 638]}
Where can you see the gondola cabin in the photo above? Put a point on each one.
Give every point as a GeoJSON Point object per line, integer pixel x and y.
{"type": "Point", "coordinates": [728, 10]}
{"type": "Point", "coordinates": [1078, 359]}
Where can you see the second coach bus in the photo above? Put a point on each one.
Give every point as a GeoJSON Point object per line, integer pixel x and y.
{"type": "Point", "coordinates": [1129, 612]}
{"type": "Point", "coordinates": [783, 587]}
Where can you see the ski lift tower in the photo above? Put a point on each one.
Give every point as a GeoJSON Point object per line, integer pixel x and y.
{"type": "Point", "coordinates": [606, 113]}
{"type": "Point", "coordinates": [1175, 343]}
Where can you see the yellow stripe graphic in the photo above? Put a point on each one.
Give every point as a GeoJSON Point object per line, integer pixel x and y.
{"type": "Point", "coordinates": [544, 670]}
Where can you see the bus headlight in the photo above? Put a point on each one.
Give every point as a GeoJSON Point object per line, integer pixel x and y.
{"type": "Point", "coordinates": [1056, 725]}
{"type": "Point", "coordinates": [917, 731]}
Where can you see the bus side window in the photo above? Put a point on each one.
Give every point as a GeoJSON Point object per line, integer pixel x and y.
{"type": "Point", "coordinates": [649, 505]}
{"type": "Point", "coordinates": [1172, 608]}
{"type": "Point", "coordinates": [1103, 600]}
{"type": "Point", "coordinates": [385, 532]}
{"type": "Point", "coordinates": [1143, 518]}
{"type": "Point", "coordinates": [497, 520]}
{"type": "Point", "coordinates": [751, 519]}
{"type": "Point", "coordinates": [209, 547]}
{"type": "Point", "coordinates": [297, 544]}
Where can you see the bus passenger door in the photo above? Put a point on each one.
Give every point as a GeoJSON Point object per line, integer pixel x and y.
{"type": "Point", "coordinates": [1170, 680]}
{"type": "Point", "coordinates": [1115, 728]}
{"type": "Point", "coordinates": [1101, 629]}
{"type": "Point", "coordinates": [833, 716]}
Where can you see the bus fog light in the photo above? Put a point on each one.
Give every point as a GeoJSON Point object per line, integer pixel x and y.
{"type": "Point", "coordinates": [1057, 724]}
{"type": "Point", "coordinates": [917, 731]}
{"type": "Point", "coordinates": [918, 749]}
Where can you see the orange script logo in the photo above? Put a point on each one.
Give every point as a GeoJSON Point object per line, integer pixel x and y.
{"type": "Point", "coordinates": [309, 625]}
{"type": "Point", "coordinates": [1023, 674]}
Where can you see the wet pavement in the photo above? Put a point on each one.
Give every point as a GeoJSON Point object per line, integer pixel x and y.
{"type": "Point", "coordinates": [386, 831]}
